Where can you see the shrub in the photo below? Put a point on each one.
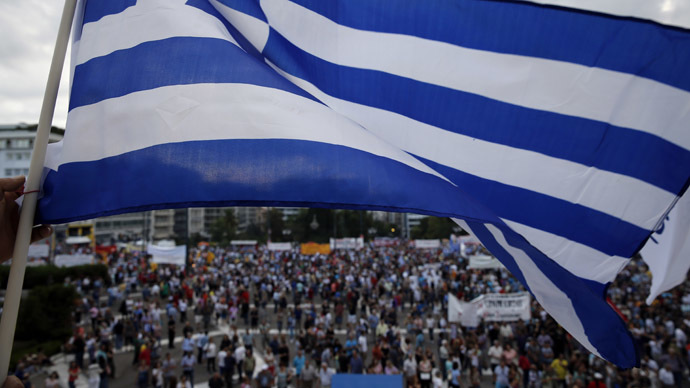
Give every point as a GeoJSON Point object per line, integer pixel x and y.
{"type": "Point", "coordinates": [50, 274]}
{"type": "Point", "coordinates": [46, 314]}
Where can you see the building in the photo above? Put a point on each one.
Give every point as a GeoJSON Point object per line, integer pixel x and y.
{"type": "Point", "coordinates": [162, 224]}
{"type": "Point", "coordinates": [247, 216]}
{"type": "Point", "coordinates": [289, 212]}
{"type": "Point", "coordinates": [192, 221]}
{"type": "Point", "coordinates": [121, 227]}
{"type": "Point", "coordinates": [412, 220]}
{"type": "Point", "coordinates": [155, 225]}
{"type": "Point", "coordinates": [16, 146]}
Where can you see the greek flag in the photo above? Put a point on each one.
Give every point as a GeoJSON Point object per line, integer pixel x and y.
{"type": "Point", "coordinates": [558, 136]}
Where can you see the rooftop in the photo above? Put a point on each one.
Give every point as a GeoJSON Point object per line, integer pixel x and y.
{"type": "Point", "coordinates": [29, 127]}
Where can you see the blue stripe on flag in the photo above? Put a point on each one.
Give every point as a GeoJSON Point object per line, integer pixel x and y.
{"type": "Point", "coordinates": [592, 143]}
{"type": "Point", "coordinates": [612, 340]}
{"type": "Point", "coordinates": [598, 230]}
{"type": "Point", "coordinates": [96, 9]}
{"type": "Point", "coordinates": [205, 6]}
{"type": "Point", "coordinates": [172, 61]}
{"type": "Point", "coordinates": [268, 172]}
{"type": "Point", "coordinates": [523, 28]}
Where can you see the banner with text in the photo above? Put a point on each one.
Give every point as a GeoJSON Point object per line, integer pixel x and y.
{"type": "Point", "coordinates": [427, 244]}
{"type": "Point", "coordinates": [72, 260]}
{"type": "Point", "coordinates": [314, 248]}
{"type": "Point", "coordinates": [504, 307]}
{"type": "Point", "coordinates": [484, 262]}
{"type": "Point", "coordinates": [243, 242]}
{"type": "Point", "coordinates": [490, 308]}
{"type": "Point", "coordinates": [39, 250]}
{"type": "Point", "coordinates": [347, 243]}
{"type": "Point", "coordinates": [168, 255]}
{"type": "Point", "coordinates": [386, 241]}
{"type": "Point", "coordinates": [284, 246]}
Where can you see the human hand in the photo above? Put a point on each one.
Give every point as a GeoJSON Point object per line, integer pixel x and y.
{"type": "Point", "coordinates": [12, 381]}
{"type": "Point", "coordinates": [9, 218]}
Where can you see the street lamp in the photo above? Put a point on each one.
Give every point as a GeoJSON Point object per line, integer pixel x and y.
{"type": "Point", "coordinates": [314, 224]}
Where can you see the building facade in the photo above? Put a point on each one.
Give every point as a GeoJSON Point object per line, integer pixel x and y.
{"type": "Point", "coordinates": [16, 146]}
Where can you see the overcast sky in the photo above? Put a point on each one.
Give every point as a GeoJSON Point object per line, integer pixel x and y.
{"type": "Point", "coordinates": [28, 30]}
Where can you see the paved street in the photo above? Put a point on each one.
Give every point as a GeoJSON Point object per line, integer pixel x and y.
{"type": "Point", "coordinates": [126, 372]}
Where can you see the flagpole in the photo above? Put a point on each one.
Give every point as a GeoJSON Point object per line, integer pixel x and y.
{"type": "Point", "coordinates": [8, 322]}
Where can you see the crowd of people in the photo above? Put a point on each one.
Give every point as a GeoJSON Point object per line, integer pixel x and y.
{"type": "Point", "coordinates": [257, 318]}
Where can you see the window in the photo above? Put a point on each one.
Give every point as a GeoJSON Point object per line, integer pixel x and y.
{"type": "Point", "coordinates": [20, 143]}
{"type": "Point", "coordinates": [10, 156]}
{"type": "Point", "coordinates": [3, 144]}
{"type": "Point", "coordinates": [18, 156]}
{"type": "Point", "coordinates": [16, 171]}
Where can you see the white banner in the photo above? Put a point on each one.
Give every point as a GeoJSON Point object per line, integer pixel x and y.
{"type": "Point", "coordinates": [168, 255]}
{"type": "Point", "coordinates": [504, 307]}
{"type": "Point", "coordinates": [347, 243]}
{"type": "Point", "coordinates": [243, 242]}
{"type": "Point", "coordinates": [72, 260]}
{"type": "Point", "coordinates": [39, 250]}
{"type": "Point", "coordinates": [386, 241]}
{"type": "Point", "coordinates": [463, 312]}
{"type": "Point", "coordinates": [284, 246]}
{"type": "Point", "coordinates": [484, 262]}
{"type": "Point", "coordinates": [427, 244]}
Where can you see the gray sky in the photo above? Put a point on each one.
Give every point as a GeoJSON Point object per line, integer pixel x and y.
{"type": "Point", "coordinates": [28, 30]}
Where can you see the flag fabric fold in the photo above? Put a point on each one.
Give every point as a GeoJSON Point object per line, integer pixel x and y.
{"type": "Point", "coordinates": [556, 136]}
{"type": "Point", "coordinates": [666, 252]}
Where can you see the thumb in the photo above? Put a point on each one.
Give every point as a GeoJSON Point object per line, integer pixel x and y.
{"type": "Point", "coordinates": [41, 232]}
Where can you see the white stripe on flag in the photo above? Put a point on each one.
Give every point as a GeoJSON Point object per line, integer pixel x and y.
{"type": "Point", "coordinates": [579, 259]}
{"type": "Point", "coordinates": [561, 87]}
{"type": "Point", "coordinates": [166, 114]}
{"type": "Point", "coordinates": [147, 21]}
{"type": "Point", "coordinates": [555, 301]}
{"type": "Point", "coordinates": [255, 30]}
{"type": "Point", "coordinates": [621, 196]}
{"type": "Point", "coordinates": [669, 12]}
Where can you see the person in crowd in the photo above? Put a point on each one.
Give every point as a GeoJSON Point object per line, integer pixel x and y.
{"type": "Point", "coordinates": [187, 364]}
{"type": "Point", "coordinates": [377, 309]}
{"type": "Point", "coordinates": [216, 381]}
{"type": "Point", "coordinates": [326, 375]}
{"type": "Point", "coordinates": [53, 380]}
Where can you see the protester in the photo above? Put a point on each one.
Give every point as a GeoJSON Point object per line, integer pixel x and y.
{"type": "Point", "coordinates": [374, 310]}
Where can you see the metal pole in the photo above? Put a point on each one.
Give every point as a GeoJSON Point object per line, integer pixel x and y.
{"type": "Point", "coordinates": [8, 322]}
{"type": "Point", "coordinates": [335, 230]}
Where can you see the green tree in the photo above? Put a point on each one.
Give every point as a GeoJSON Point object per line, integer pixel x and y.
{"type": "Point", "coordinates": [348, 223]}
{"type": "Point", "coordinates": [224, 229]}
{"type": "Point", "coordinates": [353, 223]}
{"type": "Point", "coordinates": [433, 227]}
{"type": "Point", "coordinates": [46, 314]}
{"type": "Point", "coordinates": [275, 224]}
{"type": "Point", "coordinates": [253, 232]}
{"type": "Point", "coordinates": [301, 225]}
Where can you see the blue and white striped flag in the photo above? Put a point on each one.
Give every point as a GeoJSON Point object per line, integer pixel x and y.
{"type": "Point", "coordinates": [558, 136]}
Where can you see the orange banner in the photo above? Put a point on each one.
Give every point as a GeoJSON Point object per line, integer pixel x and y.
{"type": "Point", "coordinates": [314, 248]}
